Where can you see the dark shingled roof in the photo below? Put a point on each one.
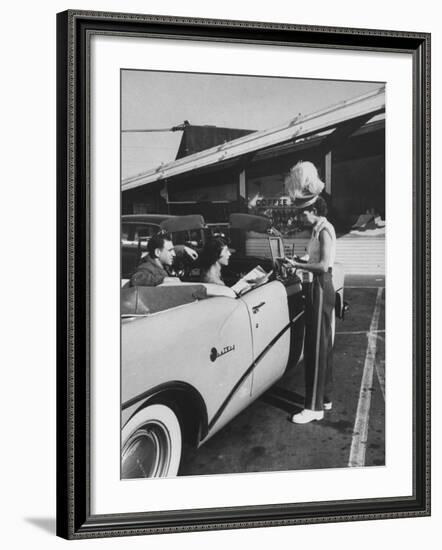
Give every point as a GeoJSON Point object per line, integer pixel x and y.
{"type": "Point", "coordinates": [198, 138]}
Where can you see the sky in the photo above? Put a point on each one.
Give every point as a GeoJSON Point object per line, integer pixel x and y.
{"type": "Point", "coordinates": [156, 100]}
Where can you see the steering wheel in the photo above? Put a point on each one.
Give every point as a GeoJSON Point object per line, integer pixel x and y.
{"type": "Point", "coordinates": [185, 265]}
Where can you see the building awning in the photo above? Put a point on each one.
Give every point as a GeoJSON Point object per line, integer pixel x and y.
{"type": "Point", "coordinates": [368, 104]}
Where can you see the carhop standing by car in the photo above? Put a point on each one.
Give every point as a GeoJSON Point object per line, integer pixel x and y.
{"type": "Point", "coordinates": [304, 187]}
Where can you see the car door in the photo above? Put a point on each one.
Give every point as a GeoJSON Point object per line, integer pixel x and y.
{"type": "Point", "coordinates": [269, 320]}
{"type": "Point", "coordinates": [206, 345]}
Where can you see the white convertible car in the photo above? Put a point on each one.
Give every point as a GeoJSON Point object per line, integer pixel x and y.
{"type": "Point", "coordinates": [192, 361]}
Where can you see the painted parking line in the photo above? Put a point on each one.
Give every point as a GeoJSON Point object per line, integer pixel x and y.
{"type": "Point", "coordinates": [380, 368]}
{"type": "Point", "coordinates": [380, 373]}
{"type": "Point", "coordinates": [360, 430]}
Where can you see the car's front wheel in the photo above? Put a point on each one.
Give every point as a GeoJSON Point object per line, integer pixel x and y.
{"type": "Point", "coordinates": [151, 443]}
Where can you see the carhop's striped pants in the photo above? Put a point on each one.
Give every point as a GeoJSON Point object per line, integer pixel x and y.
{"type": "Point", "coordinates": [318, 344]}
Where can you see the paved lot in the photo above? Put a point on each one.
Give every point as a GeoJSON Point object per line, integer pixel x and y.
{"type": "Point", "coordinates": [261, 438]}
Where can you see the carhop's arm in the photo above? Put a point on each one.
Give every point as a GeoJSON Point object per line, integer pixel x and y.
{"type": "Point", "coordinates": [325, 246]}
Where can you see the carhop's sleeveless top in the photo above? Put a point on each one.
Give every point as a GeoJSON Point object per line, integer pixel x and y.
{"type": "Point", "coordinates": [314, 247]}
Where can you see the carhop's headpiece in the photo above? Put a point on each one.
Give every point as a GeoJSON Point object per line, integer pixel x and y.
{"type": "Point", "coordinates": [303, 202]}
{"type": "Point", "coordinates": [303, 181]}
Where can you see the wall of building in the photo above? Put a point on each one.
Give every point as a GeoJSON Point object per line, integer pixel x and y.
{"type": "Point", "coordinates": [358, 178]}
{"type": "Point", "coordinates": [356, 182]}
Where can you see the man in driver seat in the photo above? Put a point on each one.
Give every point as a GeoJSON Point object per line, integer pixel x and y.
{"type": "Point", "coordinates": [153, 270]}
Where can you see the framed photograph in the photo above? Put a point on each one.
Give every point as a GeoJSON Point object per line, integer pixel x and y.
{"type": "Point", "coordinates": [243, 274]}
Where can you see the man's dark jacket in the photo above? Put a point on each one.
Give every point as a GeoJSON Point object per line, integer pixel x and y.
{"type": "Point", "coordinates": [148, 273]}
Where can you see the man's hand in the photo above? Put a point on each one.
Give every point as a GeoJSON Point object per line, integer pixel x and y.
{"type": "Point", "coordinates": [193, 254]}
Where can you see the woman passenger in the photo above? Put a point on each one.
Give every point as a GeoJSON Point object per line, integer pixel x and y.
{"type": "Point", "coordinates": [214, 255]}
{"type": "Point", "coordinates": [304, 187]}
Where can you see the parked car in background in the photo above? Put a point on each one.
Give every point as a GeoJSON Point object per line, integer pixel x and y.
{"type": "Point", "coordinates": [192, 361]}
{"type": "Point", "coordinates": [136, 230]}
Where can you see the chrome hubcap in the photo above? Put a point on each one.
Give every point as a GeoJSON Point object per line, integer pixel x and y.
{"type": "Point", "coordinates": [147, 452]}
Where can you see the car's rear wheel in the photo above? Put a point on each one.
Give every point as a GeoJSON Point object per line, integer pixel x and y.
{"type": "Point", "coordinates": [151, 443]}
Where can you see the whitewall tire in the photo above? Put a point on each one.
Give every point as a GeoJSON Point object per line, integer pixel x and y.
{"type": "Point", "coordinates": [151, 444]}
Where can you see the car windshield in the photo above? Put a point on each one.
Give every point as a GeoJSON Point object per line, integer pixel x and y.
{"type": "Point", "coordinates": [253, 236]}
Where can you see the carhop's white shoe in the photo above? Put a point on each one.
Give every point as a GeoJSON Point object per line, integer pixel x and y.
{"type": "Point", "coordinates": [327, 406]}
{"type": "Point", "coordinates": [306, 416]}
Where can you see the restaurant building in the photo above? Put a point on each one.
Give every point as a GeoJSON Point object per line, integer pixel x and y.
{"type": "Point", "coordinates": [220, 170]}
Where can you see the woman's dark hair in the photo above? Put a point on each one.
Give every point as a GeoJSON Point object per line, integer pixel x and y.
{"type": "Point", "coordinates": [320, 206]}
{"type": "Point", "coordinates": [211, 252]}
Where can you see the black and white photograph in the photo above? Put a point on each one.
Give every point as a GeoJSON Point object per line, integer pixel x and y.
{"type": "Point", "coordinates": [253, 231]}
